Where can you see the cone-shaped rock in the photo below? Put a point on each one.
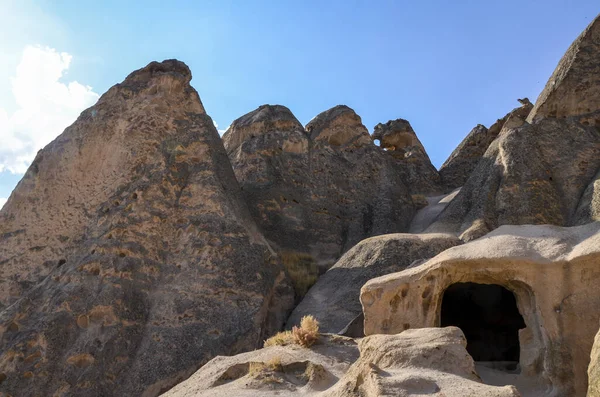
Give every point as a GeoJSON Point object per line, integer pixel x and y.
{"type": "Point", "coordinates": [574, 87]}
{"type": "Point", "coordinates": [318, 192]}
{"type": "Point", "coordinates": [533, 174]}
{"type": "Point", "coordinates": [458, 167]}
{"type": "Point", "coordinates": [135, 257]}
{"type": "Point", "coordinates": [401, 141]}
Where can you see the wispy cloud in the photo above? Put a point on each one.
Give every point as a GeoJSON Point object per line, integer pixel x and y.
{"type": "Point", "coordinates": [44, 106]}
{"type": "Point", "coordinates": [2, 201]}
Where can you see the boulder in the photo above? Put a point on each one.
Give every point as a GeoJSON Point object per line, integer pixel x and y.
{"type": "Point", "coordinates": [574, 87]}
{"type": "Point", "coordinates": [429, 361]}
{"type": "Point", "coordinates": [464, 159]}
{"type": "Point", "coordinates": [315, 193]}
{"type": "Point", "coordinates": [334, 299]}
{"type": "Point", "coordinates": [526, 295]}
{"type": "Point", "coordinates": [533, 174]}
{"type": "Point", "coordinates": [594, 369]}
{"type": "Point", "coordinates": [162, 268]}
{"type": "Point", "coordinates": [400, 141]}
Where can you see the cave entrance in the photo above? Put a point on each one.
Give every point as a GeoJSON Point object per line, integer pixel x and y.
{"type": "Point", "coordinates": [488, 316]}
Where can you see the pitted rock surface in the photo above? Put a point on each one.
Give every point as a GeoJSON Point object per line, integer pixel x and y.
{"type": "Point", "coordinates": [163, 265]}
{"type": "Point", "coordinates": [574, 87]}
{"type": "Point", "coordinates": [400, 141]}
{"type": "Point", "coordinates": [316, 192]}
{"type": "Point", "coordinates": [533, 174]}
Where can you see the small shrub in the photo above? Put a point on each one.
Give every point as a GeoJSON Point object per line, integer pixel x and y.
{"type": "Point", "coordinates": [308, 332]}
{"type": "Point", "coordinates": [302, 270]}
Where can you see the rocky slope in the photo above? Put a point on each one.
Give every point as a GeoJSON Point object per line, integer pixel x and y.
{"type": "Point", "coordinates": [334, 299]}
{"type": "Point", "coordinates": [318, 191]}
{"type": "Point", "coordinates": [161, 263]}
{"type": "Point", "coordinates": [428, 361]}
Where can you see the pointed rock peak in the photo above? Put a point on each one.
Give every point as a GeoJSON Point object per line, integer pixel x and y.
{"type": "Point", "coordinates": [263, 120]}
{"type": "Point", "coordinates": [162, 86]}
{"type": "Point", "coordinates": [155, 69]}
{"type": "Point", "coordinates": [396, 135]}
{"type": "Point", "coordinates": [574, 87]}
{"type": "Point", "coordinates": [339, 126]}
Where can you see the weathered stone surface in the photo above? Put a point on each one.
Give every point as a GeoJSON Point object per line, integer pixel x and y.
{"type": "Point", "coordinates": [334, 299]}
{"type": "Point", "coordinates": [574, 87]}
{"type": "Point", "coordinates": [320, 192]}
{"type": "Point", "coordinates": [401, 142]}
{"type": "Point", "coordinates": [339, 126]}
{"type": "Point", "coordinates": [162, 265]}
{"type": "Point", "coordinates": [588, 209]}
{"type": "Point", "coordinates": [428, 214]}
{"type": "Point", "coordinates": [464, 159]}
{"type": "Point", "coordinates": [273, 371]}
{"type": "Point", "coordinates": [431, 361]}
{"type": "Point", "coordinates": [415, 362]}
{"type": "Point", "coordinates": [551, 271]}
{"type": "Point", "coordinates": [594, 369]}
{"type": "Point", "coordinates": [533, 174]}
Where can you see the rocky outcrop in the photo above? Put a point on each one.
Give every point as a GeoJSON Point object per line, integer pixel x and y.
{"type": "Point", "coordinates": [339, 126]}
{"type": "Point", "coordinates": [464, 159]}
{"type": "Point", "coordinates": [334, 299]}
{"type": "Point", "coordinates": [549, 273]}
{"type": "Point", "coordinates": [588, 209]}
{"type": "Point", "coordinates": [533, 174]}
{"type": "Point", "coordinates": [316, 192]}
{"type": "Point", "coordinates": [415, 362]}
{"type": "Point", "coordinates": [273, 371]}
{"type": "Point", "coordinates": [594, 369]}
{"type": "Point", "coordinates": [574, 87]}
{"type": "Point", "coordinates": [399, 139]}
{"type": "Point", "coordinates": [134, 255]}
{"type": "Point", "coordinates": [431, 361]}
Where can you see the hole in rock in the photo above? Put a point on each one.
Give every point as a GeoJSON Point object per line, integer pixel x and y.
{"type": "Point", "coordinates": [488, 316]}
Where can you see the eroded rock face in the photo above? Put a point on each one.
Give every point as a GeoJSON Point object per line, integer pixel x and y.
{"type": "Point", "coordinates": [574, 87]}
{"type": "Point", "coordinates": [429, 361]}
{"type": "Point", "coordinates": [545, 269]}
{"type": "Point", "coordinates": [334, 299]}
{"type": "Point", "coordinates": [464, 159]}
{"type": "Point", "coordinates": [594, 369]}
{"type": "Point", "coordinates": [533, 174]}
{"type": "Point", "coordinates": [402, 143]}
{"type": "Point", "coordinates": [163, 267]}
{"type": "Point", "coordinates": [316, 192]}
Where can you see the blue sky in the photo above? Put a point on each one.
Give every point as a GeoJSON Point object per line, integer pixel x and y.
{"type": "Point", "coordinates": [443, 65]}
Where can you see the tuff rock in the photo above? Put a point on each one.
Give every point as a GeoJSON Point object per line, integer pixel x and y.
{"type": "Point", "coordinates": [318, 191]}
{"type": "Point", "coordinates": [131, 256]}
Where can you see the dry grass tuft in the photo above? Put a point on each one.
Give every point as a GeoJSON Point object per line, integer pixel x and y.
{"type": "Point", "coordinates": [302, 269]}
{"type": "Point", "coordinates": [305, 335]}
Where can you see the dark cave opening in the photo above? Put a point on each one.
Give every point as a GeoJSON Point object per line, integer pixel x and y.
{"type": "Point", "coordinates": [488, 316]}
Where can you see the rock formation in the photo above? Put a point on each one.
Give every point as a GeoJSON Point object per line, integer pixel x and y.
{"type": "Point", "coordinates": [549, 273]}
{"type": "Point", "coordinates": [574, 87]}
{"type": "Point", "coordinates": [464, 159]}
{"type": "Point", "coordinates": [130, 255]}
{"type": "Point", "coordinates": [533, 174]}
{"type": "Point", "coordinates": [400, 141]}
{"type": "Point", "coordinates": [316, 192]}
{"type": "Point", "coordinates": [334, 299]}
{"type": "Point", "coordinates": [416, 362]}
{"type": "Point", "coordinates": [594, 369]}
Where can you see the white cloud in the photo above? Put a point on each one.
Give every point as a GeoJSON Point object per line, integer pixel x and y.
{"type": "Point", "coordinates": [44, 106]}
{"type": "Point", "coordinates": [2, 201]}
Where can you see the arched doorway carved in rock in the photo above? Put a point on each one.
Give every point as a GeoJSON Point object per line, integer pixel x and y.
{"type": "Point", "coordinates": [489, 317]}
